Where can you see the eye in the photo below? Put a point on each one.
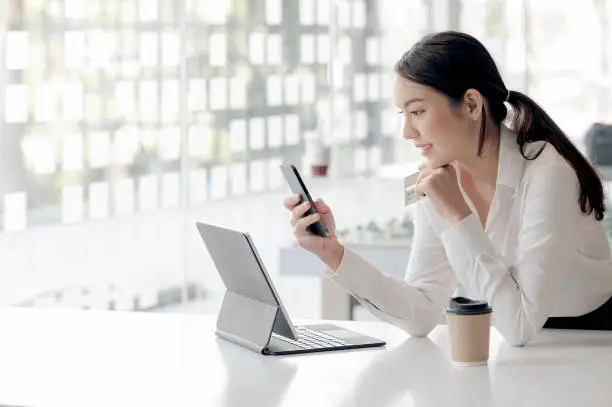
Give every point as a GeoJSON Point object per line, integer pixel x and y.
{"type": "Point", "coordinates": [400, 112]}
{"type": "Point", "coordinates": [417, 112]}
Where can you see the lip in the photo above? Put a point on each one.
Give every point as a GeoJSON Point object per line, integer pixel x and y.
{"type": "Point", "coordinates": [425, 148]}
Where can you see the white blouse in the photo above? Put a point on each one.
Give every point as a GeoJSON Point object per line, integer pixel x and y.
{"type": "Point", "coordinates": [539, 255]}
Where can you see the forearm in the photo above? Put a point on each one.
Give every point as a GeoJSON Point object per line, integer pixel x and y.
{"type": "Point", "coordinates": [414, 307]}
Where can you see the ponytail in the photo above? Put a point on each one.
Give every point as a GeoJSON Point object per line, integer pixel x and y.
{"type": "Point", "coordinates": [531, 123]}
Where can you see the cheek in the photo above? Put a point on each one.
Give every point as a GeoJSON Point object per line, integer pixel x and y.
{"type": "Point", "coordinates": [434, 129]}
{"type": "Point", "coordinates": [441, 130]}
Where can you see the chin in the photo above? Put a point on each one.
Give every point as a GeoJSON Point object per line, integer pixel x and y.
{"type": "Point", "coordinates": [433, 162]}
{"type": "Point", "coordinates": [436, 161]}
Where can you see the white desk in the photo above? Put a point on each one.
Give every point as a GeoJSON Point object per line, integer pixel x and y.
{"type": "Point", "coordinates": [93, 358]}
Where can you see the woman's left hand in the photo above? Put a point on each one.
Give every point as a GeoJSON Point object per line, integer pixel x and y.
{"type": "Point", "coordinates": [441, 186]}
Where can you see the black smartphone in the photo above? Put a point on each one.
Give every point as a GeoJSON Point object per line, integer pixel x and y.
{"type": "Point", "coordinates": [298, 187]}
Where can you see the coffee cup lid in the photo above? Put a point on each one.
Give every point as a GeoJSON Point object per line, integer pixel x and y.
{"type": "Point", "coordinates": [466, 306]}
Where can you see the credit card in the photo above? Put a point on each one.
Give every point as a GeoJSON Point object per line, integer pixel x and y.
{"type": "Point", "coordinates": [410, 195]}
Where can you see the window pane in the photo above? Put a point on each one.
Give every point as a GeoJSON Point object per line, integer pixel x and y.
{"type": "Point", "coordinates": [148, 101]}
{"type": "Point", "coordinates": [258, 176]}
{"type": "Point", "coordinates": [170, 100]}
{"type": "Point", "coordinates": [218, 92]}
{"type": "Point", "coordinates": [124, 196]}
{"type": "Point", "coordinates": [99, 150]}
{"type": "Point", "coordinates": [72, 203]}
{"type": "Point", "coordinates": [257, 133]}
{"type": "Point", "coordinates": [274, 91]}
{"type": "Point", "coordinates": [148, 49]}
{"type": "Point", "coordinates": [238, 178]}
{"type": "Point", "coordinates": [45, 103]}
{"type": "Point", "coordinates": [323, 49]}
{"type": "Point", "coordinates": [307, 48]}
{"type": "Point", "coordinates": [196, 94]}
{"type": "Point", "coordinates": [274, 175]}
{"type": "Point", "coordinates": [323, 8]}
{"type": "Point", "coordinates": [98, 200]}
{"type": "Point", "coordinates": [215, 10]}
{"type": "Point", "coordinates": [372, 51]}
{"type": "Point", "coordinates": [40, 152]}
{"type": "Point", "coordinates": [72, 152]}
{"type": "Point", "coordinates": [170, 49]}
{"type": "Point", "coordinates": [148, 193]}
{"type": "Point", "coordinates": [274, 12]}
{"type": "Point", "coordinates": [275, 131]}
{"type": "Point", "coordinates": [201, 142]}
{"type": "Point", "coordinates": [218, 50]}
{"type": "Point", "coordinates": [15, 211]}
{"type": "Point", "coordinates": [198, 186]}
{"type": "Point", "coordinates": [147, 10]}
{"type": "Point", "coordinates": [16, 43]}
{"type": "Point", "coordinates": [74, 9]}
{"type": "Point", "coordinates": [275, 49]}
{"type": "Point", "coordinates": [74, 46]}
{"type": "Point", "coordinates": [237, 93]}
{"type": "Point", "coordinates": [238, 136]}
{"type": "Point", "coordinates": [17, 110]}
{"type": "Point", "coordinates": [360, 125]}
{"type": "Point", "coordinates": [359, 87]}
{"type": "Point", "coordinates": [170, 143]}
{"type": "Point", "coordinates": [308, 88]}
{"type": "Point", "coordinates": [257, 48]}
{"type": "Point", "coordinates": [292, 90]}
{"type": "Point", "coordinates": [101, 48]}
{"type": "Point", "coordinates": [218, 182]}
{"type": "Point", "coordinates": [307, 12]}
{"type": "Point", "coordinates": [292, 129]}
{"type": "Point", "coordinates": [125, 99]}
{"type": "Point", "coordinates": [170, 189]}
{"type": "Point", "coordinates": [359, 14]}
{"type": "Point", "coordinates": [73, 101]}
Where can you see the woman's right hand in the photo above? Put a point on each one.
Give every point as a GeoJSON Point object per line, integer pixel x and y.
{"type": "Point", "coordinates": [327, 248]}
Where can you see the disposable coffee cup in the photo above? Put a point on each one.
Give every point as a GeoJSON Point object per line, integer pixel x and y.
{"type": "Point", "coordinates": [469, 327]}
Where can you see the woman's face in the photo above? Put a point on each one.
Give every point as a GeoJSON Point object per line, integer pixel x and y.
{"type": "Point", "coordinates": [442, 132]}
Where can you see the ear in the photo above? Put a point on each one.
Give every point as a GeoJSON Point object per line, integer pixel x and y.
{"type": "Point", "coordinates": [473, 102]}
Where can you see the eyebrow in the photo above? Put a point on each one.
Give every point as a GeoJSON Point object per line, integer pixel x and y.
{"type": "Point", "coordinates": [411, 101]}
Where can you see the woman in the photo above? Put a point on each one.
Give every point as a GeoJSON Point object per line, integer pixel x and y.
{"type": "Point", "coordinates": [512, 215]}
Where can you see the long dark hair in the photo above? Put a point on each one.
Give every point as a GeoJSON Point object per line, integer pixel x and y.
{"type": "Point", "coordinates": [453, 62]}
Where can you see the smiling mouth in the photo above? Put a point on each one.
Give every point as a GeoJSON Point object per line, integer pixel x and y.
{"type": "Point", "coordinates": [425, 149]}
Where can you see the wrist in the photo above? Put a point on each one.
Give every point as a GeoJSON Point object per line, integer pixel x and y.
{"type": "Point", "coordinates": [332, 257]}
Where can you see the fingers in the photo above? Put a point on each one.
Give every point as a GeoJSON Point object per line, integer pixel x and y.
{"type": "Point", "coordinates": [421, 177]}
{"type": "Point", "coordinates": [419, 189]}
{"type": "Point", "coordinates": [291, 201]}
{"type": "Point", "coordinates": [298, 212]}
{"type": "Point", "coordinates": [421, 183]}
{"type": "Point", "coordinates": [300, 226]}
{"type": "Point", "coordinates": [322, 207]}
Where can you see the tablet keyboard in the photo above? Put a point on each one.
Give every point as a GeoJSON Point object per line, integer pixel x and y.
{"type": "Point", "coordinates": [311, 339]}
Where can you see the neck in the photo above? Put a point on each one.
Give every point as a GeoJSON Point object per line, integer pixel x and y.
{"type": "Point", "coordinates": [482, 170]}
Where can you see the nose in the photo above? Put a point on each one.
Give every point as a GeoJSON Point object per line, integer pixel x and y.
{"type": "Point", "coordinates": [409, 132]}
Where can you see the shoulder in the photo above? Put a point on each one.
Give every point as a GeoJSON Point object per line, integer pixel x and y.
{"type": "Point", "coordinates": [549, 157]}
{"type": "Point", "coordinates": [549, 164]}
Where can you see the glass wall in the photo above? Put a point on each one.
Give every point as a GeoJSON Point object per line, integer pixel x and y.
{"type": "Point", "coordinates": [123, 121]}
